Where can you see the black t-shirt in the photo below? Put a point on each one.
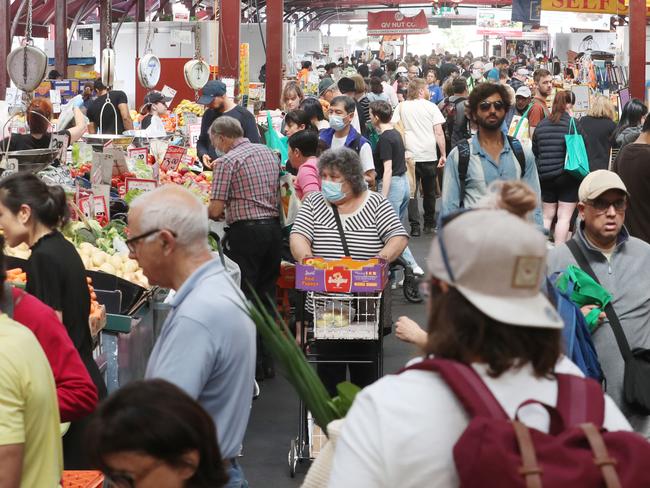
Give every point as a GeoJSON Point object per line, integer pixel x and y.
{"type": "Point", "coordinates": [390, 147]}
{"type": "Point", "coordinates": [108, 127]}
{"type": "Point", "coordinates": [246, 119]}
{"type": "Point", "coordinates": [56, 276]}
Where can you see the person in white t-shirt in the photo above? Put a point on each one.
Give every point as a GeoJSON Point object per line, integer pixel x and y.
{"type": "Point", "coordinates": [341, 133]}
{"type": "Point", "coordinates": [487, 311]}
{"type": "Point", "coordinates": [423, 136]}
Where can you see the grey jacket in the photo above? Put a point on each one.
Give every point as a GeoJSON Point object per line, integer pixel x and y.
{"type": "Point", "coordinates": [627, 136]}
{"type": "Point", "coordinates": [627, 278]}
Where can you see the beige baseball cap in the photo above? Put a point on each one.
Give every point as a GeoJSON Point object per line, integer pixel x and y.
{"type": "Point", "coordinates": [598, 182]}
{"type": "Point", "coordinates": [498, 263]}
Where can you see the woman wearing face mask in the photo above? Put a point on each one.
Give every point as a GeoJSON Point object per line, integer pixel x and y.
{"type": "Point", "coordinates": [371, 229]}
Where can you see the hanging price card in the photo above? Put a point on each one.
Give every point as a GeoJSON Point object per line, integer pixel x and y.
{"type": "Point", "coordinates": [172, 158]}
{"type": "Point", "coordinates": [140, 184]}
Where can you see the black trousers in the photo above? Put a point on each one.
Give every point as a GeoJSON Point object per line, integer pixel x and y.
{"type": "Point", "coordinates": [425, 176]}
{"type": "Point", "coordinates": [361, 374]}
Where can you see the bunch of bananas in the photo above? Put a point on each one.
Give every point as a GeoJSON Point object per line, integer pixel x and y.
{"type": "Point", "coordinates": [185, 106]}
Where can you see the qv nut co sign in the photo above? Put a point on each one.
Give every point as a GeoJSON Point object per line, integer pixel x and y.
{"type": "Point", "coordinates": [394, 23]}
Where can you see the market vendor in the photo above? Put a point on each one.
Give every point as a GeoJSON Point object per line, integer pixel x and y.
{"type": "Point", "coordinates": [218, 103]}
{"type": "Point", "coordinates": [155, 106]}
{"type": "Point", "coordinates": [118, 113]}
{"type": "Point", "coordinates": [38, 118]}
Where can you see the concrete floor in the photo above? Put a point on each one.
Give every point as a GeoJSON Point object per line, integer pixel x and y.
{"type": "Point", "coordinates": [274, 419]}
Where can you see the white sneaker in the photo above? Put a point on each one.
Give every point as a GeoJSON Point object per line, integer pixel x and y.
{"type": "Point", "coordinates": [401, 282]}
{"type": "Point", "coordinates": [393, 285]}
{"type": "Point", "coordinates": [418, 271]}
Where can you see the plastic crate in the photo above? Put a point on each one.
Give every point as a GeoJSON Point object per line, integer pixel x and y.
{"type": "Point", "coordinates": [351, 317]}
{"type": "Point", "coordinates": [82, 479]}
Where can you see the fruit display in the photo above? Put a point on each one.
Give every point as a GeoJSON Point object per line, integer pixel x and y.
{"type": "Point", "coordinates": [120, 265]}
{"type": "Point", "coordinates": [186, 106]}
{"type": "Point", "coordinates": [16, 275]}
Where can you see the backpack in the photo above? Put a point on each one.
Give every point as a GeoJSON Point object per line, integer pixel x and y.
{"type": "Point", "coordinates": [464, 154]}
{"type": "Point", "coordinates": [495, 450]}
{"type": "Point", "coordinates": [578, 345]}
{"type": "Point", "coordinates": [449, 111]}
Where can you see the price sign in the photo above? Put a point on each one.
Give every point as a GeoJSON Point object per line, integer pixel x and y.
{"type": "Point", "coordinates": [95, 208]}
{"type": "Point", "coordinates": [172, 158]}
{"type": "Point", "coordinates": [190, 118]}
{"type": "Point", "coordinates": [187, 160]}
{"type": "Point", "coordinates": [140, 184]}
{"type": "Point", "coordinates": [11, 167]}
{"type": "Point", "coordinates": [101, 170]}
{"type": "Point", "coordinates": [60, 143]}
{"type": "Point", "coordinates": [195, 133]}
{"type": "Point", "coordinates": [138, 154]}
{"type": "Point", "coordinates": [169, 93]}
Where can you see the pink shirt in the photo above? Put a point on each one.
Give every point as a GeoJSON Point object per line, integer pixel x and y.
{"type": "Point", "coordinates": [308, 178]}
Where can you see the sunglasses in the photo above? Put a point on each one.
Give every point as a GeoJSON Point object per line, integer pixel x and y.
{"type": "Point", "coordinates": [600, 205]}
{"type": "Point", "coordinates": [498, 105]}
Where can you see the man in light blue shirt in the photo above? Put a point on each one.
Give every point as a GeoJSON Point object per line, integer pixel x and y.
{"type": "Point", "coordinates": [207, 344]}
{"type": "Point", "coordinates": [492, 157]}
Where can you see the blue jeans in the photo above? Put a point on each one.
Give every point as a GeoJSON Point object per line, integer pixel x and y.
{"type": "Point", "coordinates": [398, 196]}
{"type": "Point", "coordinates": [236, 476]}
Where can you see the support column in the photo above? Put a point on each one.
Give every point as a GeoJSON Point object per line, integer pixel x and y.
{"type": "Point", "coordinates": [104, 27]}
{"type": "Point", "coordinates": [5, 45]}
{"type": "Point", "coordinates": [274, 50]}
{"type": "Point", "coordinates": [61, 36]}
{"type": "Point", "coordinates": [637, 40]}
{"type": "Point", "coordinates": [229, 24]}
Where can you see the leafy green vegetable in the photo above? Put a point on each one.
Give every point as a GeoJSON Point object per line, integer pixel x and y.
{"type": "Point", "coordinates": [132, 194]}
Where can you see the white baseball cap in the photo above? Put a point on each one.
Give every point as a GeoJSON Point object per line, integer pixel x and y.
{"type": "Point", "coordinates": [523, 72]}
{"type": "Point", "coordinates": [523, 91]}
{"type": "Point", "coordinates": [497, 261]}
{"type": "Point", "coordinates": [598, 182]}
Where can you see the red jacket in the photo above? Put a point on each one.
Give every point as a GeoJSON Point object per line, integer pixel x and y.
{"type": "Point", "coordinates": [75, 390]}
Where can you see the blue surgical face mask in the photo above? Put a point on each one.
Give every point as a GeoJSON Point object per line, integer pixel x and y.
{"type": "Point", "coordinates": [337, 123]}
{"type": "Point", "coordinates": [332, 191]}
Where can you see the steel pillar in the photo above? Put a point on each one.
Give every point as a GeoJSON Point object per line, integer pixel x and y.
{"type": "Point", "coordinates": [5, 46]}
{"type": "Point", "coordinates": [61, 37]}
{"type": "Point", "coordinates": [274, 50]}
{"type": "Point", "coordinates": [105, 29]}
{"type": "Point", "coordinates": [637, 41]}
{"type": "Point", "coordinates": [229, 24]}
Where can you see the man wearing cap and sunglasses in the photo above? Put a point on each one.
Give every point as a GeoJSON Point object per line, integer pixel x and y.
{"type": "Point", "coordinates": [489, 156]}
{"type": "Point", "coordinates": [620, 263]}
{"type": "Point", "coordinates": [218, 103]}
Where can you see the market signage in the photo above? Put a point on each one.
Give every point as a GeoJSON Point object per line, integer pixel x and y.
{"type": "Point", "coordinates": [492, 21]}
{"type": "Point", "coordinates": [595, 6]}
{"type": "Point", "coordinates": [395, 23]}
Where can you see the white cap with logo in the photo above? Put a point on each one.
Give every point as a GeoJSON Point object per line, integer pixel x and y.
{"type": "Point", "coordinates": [598, 182]}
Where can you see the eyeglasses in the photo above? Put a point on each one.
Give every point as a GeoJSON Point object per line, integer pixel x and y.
{"type": "Point", "coordinates": [498, 105]}
{"type": "Point", "coordinates": [130, 242]}
{"type": "Point", "coordinates": [601, 206]}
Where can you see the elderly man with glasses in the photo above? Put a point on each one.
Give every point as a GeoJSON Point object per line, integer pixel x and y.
{"type": "Point", "coordinates": [620, 263]}
{"type": "Point", "coordinates": [207, 344]}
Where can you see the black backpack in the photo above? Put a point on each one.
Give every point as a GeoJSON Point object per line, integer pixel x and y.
{"type": "Point", "coordinates": [449, 111]}
{"type": "Point", "coordinates": [463, 163]}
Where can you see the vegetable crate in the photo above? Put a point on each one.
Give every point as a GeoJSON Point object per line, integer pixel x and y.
{"type": "Point", "coordinates": [347, 317]}
{"type": "Point", "coordinates": [82, 479]}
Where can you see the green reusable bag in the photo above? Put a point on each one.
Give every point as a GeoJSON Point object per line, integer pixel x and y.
{"type": "Point", "coordinates": [275, 142]}
{"type": "Point", "coordinates": [576, 161]}
{"type": "Point", "coordinates": [585, 291]}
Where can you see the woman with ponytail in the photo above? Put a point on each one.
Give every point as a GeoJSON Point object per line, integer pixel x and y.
{"type": "Point", "coordinates": [32, 212]}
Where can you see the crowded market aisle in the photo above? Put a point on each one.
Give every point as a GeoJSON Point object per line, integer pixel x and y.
{"type": "Point", "coordinates": [274, 418]}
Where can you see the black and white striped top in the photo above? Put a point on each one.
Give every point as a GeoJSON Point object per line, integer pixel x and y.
{"type": "Point", "coordinates": [367, 230]}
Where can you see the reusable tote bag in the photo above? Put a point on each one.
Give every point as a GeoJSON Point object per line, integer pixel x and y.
{"type": "Point", "coordinates": [576, 161]}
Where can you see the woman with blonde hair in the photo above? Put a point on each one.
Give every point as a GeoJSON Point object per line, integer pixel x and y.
{"type": "Point", "coordinates": [363, 104]}
{"type": "Point", "coordinates": [598, 126]}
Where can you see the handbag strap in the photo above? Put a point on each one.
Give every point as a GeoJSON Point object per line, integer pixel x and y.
{"type": "Point", "coordinates": [572, 126]}
{"type": "Point", "coordinates": [521, 120]}
{"type": "Point", "coordinates": [621, 340]}
{"type": "Point", "coordinates": [339, 225]}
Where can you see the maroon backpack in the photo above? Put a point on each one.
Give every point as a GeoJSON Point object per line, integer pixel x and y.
{"type": "Point", "coordinates": [497, 451]}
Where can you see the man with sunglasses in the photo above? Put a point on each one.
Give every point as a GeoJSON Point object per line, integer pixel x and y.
{"type": "Point", "coordinates": [621, 264]}
{"type": "Point", "coordinates": [489, 156]}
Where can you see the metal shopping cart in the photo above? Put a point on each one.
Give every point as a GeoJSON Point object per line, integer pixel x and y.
{"type": "Point", "coordinates": [357, 318]}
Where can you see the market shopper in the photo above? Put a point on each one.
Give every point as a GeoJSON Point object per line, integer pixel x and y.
{"type": "Point", "coordinates": [616, 259]}
{"type": "Point", "coordinates": [207, 344]}
{"type": "Point", "coordinates": [303, 156]}
{"type": "Point", "coordinates": [39, 116]}
{"type": "Point", "coordinates": [104, 123]}
{"type": "Point", "coordinates": [517, 127]}
{"type": "Point", "coordinates": [342, 134]}
{"type": "Point", "coordinates": [597, 127]}
{"type": "Point", "coordinates": [633, 168]}
{"type": "Point", "coordinates": [155, 106]}
{"type": "Point", "coordinates": [495, 73]}
{"type": "Point", "coordinates": [168, 442]}
{"type": "Point", "coordinates": [295, 121]}
{"type": "Point", "coordinates": [487, 313]}
{"type": "Point", "coordinates": [453, 109]}
{"type": "Point", "coordinates": [423, 136]}
{"type": "Point", "coordinates": [314, 111]}
{"type": "Point", "coordinates": [559, 188]}
{"type": "Point", "coordinates": [30, 435]}
{"type": "Point", "coordinates": [363, 103]}
{"type": "Point", "coordinates": [327, 91]}
{"type": "Point", "coordinates": [491, 154]}
{"type": "Point", "coordinates": [32, 212]}
{"type": "Point", "coordinates": [371, 229]}
{"type": "Point", "coordinates": [519, 78]}
{"type": "Point", "coordinates": [629, 125]}
{"type": "Point", "coordinates": [377, 91]}
{"type": "Point", "coordinates": [348, 87]}
{"type": "Point", "coordinates": [543, 88]}
{"type": "Point", "coordinates": [435, 92]}
{"type": "Point", "coordinates": [218, 103]}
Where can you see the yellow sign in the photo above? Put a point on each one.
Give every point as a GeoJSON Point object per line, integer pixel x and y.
{"type": "Point", "coordinates": [619, 7]}
{"type": "Point", "coordinates": [244, 77]}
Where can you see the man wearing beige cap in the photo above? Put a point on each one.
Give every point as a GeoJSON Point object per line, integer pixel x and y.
{"type": "Point", "coordinates": [622, 264]}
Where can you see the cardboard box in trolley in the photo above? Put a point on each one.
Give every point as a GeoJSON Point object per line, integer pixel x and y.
{"type": "Point", "coordinates": [342, 276]}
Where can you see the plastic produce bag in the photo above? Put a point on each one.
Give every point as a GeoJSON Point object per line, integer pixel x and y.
{"type": "Point", "coordinates": [576, 161]}
{"type": "Point", "coordinates": [275, 142]}
{"type": "Point", "coordinates": [585, 292]}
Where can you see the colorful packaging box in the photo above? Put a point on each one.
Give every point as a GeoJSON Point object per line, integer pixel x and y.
{"type": "Point", "coordinates": [342, 276]}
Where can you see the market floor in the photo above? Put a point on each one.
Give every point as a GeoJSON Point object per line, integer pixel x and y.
{"type": "Point", "coordinates": [274, 419]}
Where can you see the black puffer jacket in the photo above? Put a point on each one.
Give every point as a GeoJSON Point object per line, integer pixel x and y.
{"type": "Point", "coordinates": [549, 147]}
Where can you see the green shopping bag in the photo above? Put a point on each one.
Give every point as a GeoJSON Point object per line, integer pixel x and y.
{"type": "Point", "coordinates": [576, 161]}
{"type": "Point", "coordinates": [275, 142]}
{"type": "Point", "coordinates": [583, 290]}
